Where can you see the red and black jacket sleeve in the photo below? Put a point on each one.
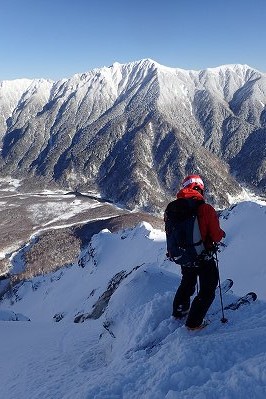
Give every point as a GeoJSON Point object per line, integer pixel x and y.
{"type": "Point", "coordinates": [209, 225]}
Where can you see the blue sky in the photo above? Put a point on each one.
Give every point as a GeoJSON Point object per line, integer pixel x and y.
{"type": "Point", "coordinates": [58, 38]}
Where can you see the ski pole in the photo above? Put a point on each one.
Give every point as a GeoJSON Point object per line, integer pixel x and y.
{"type": "Point", "coordinates": [223, 319]}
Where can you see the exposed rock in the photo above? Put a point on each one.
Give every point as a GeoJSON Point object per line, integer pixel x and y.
{"type": "Point", "coordinates": [131, 132]}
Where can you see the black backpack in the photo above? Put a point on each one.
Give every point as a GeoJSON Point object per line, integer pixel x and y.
{"type": "Point", "coordinates": [183, 238]}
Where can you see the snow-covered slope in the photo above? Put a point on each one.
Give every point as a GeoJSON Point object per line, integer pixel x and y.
{"type": "Point", "coordinates": [19, 100]}
{"type": "Point", "coordinates": [132, 131]}
{"type": "Point", "coordinates": [127, 345]}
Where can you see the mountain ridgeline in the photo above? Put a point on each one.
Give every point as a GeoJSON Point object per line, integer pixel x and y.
{"type": "Point", "coordinates": [132, 131]}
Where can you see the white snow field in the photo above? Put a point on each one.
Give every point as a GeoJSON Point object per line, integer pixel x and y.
{"type": "Point", "coordinates": [128, 346]}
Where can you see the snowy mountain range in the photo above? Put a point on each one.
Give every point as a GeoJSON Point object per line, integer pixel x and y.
{"type": "Point", "coordinates": [101, 328]}
{"type": "Point", "coordinates": [132, 131]}
{"type": "Point", "coordinates": [88, 316]}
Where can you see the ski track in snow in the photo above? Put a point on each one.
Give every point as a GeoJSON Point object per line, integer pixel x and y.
{"type": "Point", "coordinates": [142, 352]}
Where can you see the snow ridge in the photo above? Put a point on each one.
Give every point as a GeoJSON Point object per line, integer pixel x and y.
{"type": "Point", "coordinates": [119, 77]}
{"type": "Point", "coordinates": [132, 131]}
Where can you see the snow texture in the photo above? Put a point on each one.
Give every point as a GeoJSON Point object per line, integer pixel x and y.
{"type": "Point", "coordinates": [132, 131]}
{"type": "Point", "coordinates": [133, 349]}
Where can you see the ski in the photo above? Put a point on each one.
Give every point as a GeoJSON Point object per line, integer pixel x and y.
{"type": "Point", "coordinates": [238, 303]}
{"type": "Point", "coordinates": [243, 300]}
{"type": "Point", "coordinates": [226, 285]}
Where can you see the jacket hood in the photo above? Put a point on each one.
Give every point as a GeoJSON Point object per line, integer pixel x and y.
{"type": "Point", "coordinates": [189, 193]}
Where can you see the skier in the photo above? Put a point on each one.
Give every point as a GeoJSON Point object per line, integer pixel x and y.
{"type": "Point", "coordinates": [204, 266]}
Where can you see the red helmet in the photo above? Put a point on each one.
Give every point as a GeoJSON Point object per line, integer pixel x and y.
{"type": "Point", "coordinates": [193, 181]}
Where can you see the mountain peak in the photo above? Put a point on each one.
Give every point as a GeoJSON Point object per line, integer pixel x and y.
{"type": "Point", "coordinates": [131, 131]}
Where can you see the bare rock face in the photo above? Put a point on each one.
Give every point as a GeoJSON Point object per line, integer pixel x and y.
{"type": "Point", "coordinates": [132, 131]}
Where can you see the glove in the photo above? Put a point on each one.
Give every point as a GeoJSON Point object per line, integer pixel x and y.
{"type": "Point", "coordinates": [215, 247]}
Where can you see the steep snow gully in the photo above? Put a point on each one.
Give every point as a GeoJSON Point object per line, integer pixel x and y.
{"type": "Point", "coordinates": [132, 349]}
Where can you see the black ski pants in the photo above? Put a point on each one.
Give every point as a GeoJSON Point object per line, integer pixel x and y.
{"type": "Point", "coordinates": [208, 279]}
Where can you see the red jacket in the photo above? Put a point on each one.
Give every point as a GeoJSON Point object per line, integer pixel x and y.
{"type": "Point", "coordinates": [208, 220]}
